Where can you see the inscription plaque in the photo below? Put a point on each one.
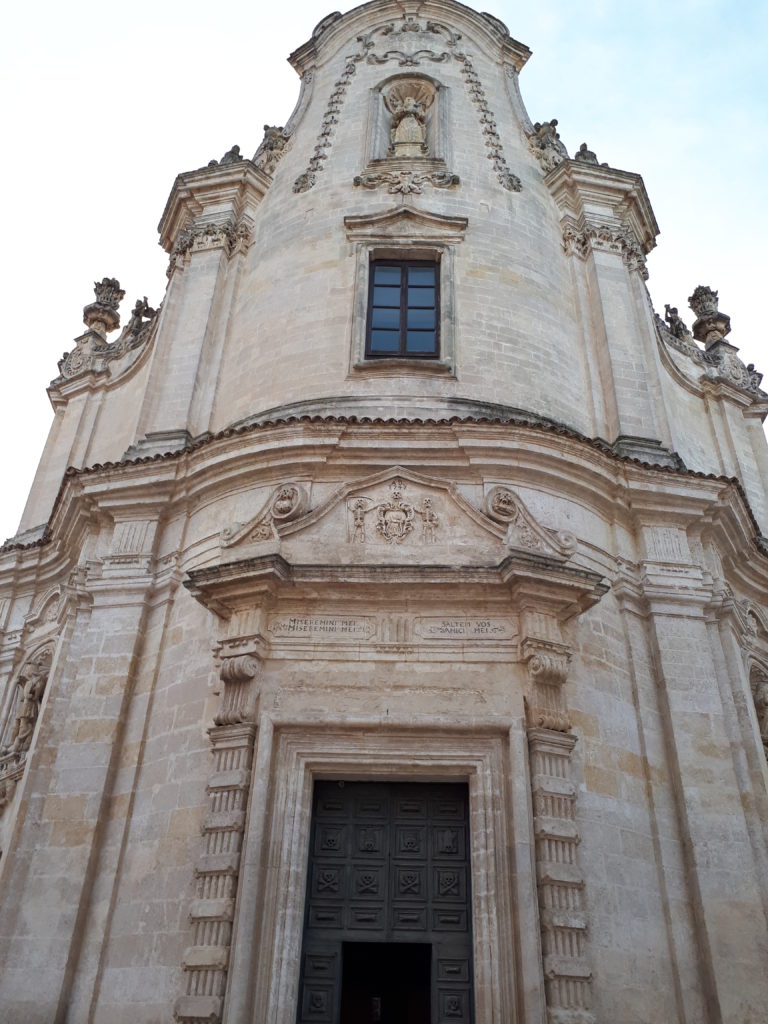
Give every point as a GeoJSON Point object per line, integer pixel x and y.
{"type": "Point", "coordinates": [331, 627]}
{"type": "Point", "coordinates": [464, 629]}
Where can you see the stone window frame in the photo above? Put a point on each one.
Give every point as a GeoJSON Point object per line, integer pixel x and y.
{"type": "Point", "coordinates": [404, 309]}
{"type": "Point", "coordinates": [404, 233]}
{"type": "Point", "coordinates": [270, 920]}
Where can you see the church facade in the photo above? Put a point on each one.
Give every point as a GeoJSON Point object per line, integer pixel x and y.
{"type": "Point", "coordinates": [386, 634]}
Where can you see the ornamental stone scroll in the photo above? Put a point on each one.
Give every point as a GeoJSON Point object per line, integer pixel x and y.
{"type": "Point", "coordinates": [238, 703]}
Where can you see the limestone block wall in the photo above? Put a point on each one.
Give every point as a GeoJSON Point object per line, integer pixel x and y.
{"type": "Point", "coordinates": [542, 262]}
{"type": "Point", "coordinates": [640, 855]}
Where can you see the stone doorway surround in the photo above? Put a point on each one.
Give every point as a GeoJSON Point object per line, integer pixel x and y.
{"type": "Point", "coordinates": [301, 644]}
{"type": "Point", "coordinates": [269, 925]}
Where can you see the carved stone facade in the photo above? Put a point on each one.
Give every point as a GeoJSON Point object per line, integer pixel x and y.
{"type": "Point", "coordinates": [312, 659]}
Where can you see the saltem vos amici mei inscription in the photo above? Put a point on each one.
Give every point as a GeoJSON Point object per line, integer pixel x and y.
{"type": "Point", "coordinates": [436, 628]}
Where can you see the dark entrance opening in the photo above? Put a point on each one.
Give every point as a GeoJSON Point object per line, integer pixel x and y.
{"type": "Point", "coordinates": [388, 925]}
{"type": "Point", "coordinates": [385, 983]}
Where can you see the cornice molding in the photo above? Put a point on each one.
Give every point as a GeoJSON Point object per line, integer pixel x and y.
{"type": "Point", "coordinates": [212, 196]}
{"type": "Point", "coordinates": [603, 197]}
{"type": "Point", "coordinates": [217, 465]}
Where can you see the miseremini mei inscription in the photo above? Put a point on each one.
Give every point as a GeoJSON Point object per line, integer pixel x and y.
{"type": "Point", "coordinates": [321, 627]}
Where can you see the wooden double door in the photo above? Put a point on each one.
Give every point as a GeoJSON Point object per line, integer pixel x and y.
{"type": "Point", "coordinates": [387, 933]}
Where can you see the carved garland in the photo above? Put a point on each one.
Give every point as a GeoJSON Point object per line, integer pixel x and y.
{"type": "Point", "coordinates": [231, 236]}
{"type": "Point", "coordinates": [508, 180]}
{"type": "Point", "coordinates": [580, 240]}
{"type": "Point", "coordinates": [406, 182]}
{"type": "Point", "coordinates": [307, 180]}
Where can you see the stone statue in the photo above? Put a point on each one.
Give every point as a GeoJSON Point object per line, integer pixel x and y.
{"type": "Point", "coordinates": [32, 682]}
{"type": "Point", "coordinates": [675, 322]}
{"type": "Point", "coordinates": [586, 155]}
{"type": "Point", "coordinates": [232, 156]}
{"type": "Point", "coordinates": [761, 705]}
{"type": "Point", "coordinates": [141, 312]}
{"type": "Point", "coordinates": [271, 148]}
{"type": "Point", "coordinates": [408, 133]}
{"type": "Point", "coordinates": [547, 146]}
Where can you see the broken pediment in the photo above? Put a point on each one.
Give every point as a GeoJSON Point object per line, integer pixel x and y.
{"type": "Point", "coordinates": [406, 224]}
{"type": "Point", "coordinates": [397, 515]}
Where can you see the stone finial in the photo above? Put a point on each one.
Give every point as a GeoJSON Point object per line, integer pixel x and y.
{"type": "Point", "coordinates": [703, 302]}
{"type": "Point", "coordinates": [710, 326]}
{"type": "Point", "coordinates": [102, 316]}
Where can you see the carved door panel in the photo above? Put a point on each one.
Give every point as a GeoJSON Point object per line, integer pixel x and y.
{"type": "Point", "coordinates": [389, 863]}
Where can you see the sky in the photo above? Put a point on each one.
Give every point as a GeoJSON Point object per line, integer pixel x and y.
{"type": "Point", "coordinates": [104, 104]}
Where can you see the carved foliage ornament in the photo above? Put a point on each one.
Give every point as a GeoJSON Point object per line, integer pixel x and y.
{"type": "Point", "coordinates": [406, 182]}
{"type": "Point", "coordinates": [579, 239]}
{"type": "Point", "coordinates": [231, 236]}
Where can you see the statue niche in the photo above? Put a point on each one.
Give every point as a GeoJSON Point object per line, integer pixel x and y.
{"type": "Point", "coordinates": [408, 103]}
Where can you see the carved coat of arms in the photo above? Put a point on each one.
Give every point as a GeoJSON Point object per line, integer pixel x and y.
{"type": "Point", "coordinates": [395, 518]}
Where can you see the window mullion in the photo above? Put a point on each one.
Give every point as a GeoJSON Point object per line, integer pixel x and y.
{"type": "Point", "coordinates": [403, 308]}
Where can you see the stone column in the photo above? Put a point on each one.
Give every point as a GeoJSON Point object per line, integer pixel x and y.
{"type": "Point", "coordinates": [217, 871]}
{"type": "Point", "coordinates": [562, 911]}
{"type": "Point", "coordinates": [696, 701]}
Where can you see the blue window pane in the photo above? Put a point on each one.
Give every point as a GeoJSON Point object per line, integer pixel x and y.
{"type": "Point", "coordinates": [421, 297]}
{"type": "Point", "coordinates": [386, 296]}
{"type": "Point", "coordinates": [421, 318]}
{"type": "Point", "coordinates": [388, 275]}
{"type": "Point", "coordinates": [421, 275]}
{"type": "Point", "coordinates": [420, 341]}
{"type": "Point", "coordinates": [385, 341]}
{"type": "Point", "coordinates": [389, 319]}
